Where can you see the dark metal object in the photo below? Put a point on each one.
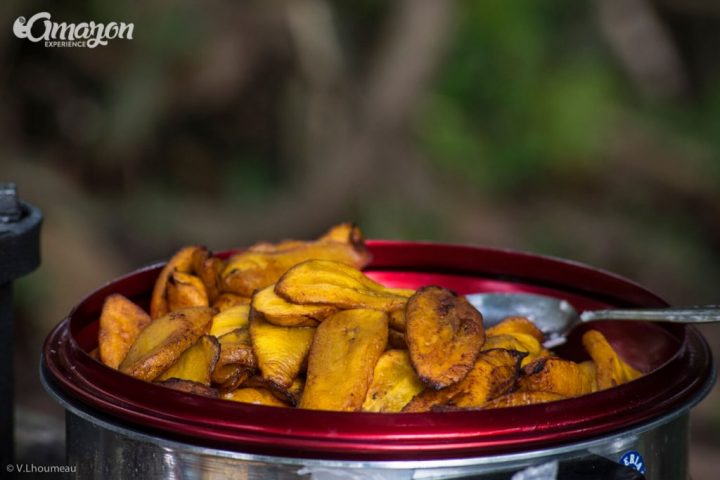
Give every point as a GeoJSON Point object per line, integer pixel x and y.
{"type": "Point", "coordinates": [10, 209]}
{"type": "Point", "coordinates": [19, 255]}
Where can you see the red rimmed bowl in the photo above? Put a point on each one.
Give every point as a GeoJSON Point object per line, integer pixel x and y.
{"type": "Point", "coordinates": [122, 423]}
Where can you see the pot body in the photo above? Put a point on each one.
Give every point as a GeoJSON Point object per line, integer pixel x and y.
{"type": "Point", "coordinates": [102, 448]}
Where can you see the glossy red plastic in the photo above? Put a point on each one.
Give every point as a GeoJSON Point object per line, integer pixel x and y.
{"type": "Point", "coordinates": [676, 360]}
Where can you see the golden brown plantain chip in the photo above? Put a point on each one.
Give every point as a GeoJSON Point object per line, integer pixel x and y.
{"type": "Point", "coordinates": [188, 386]}
{"type": "Point", "coordinates": [290, 395]}
{"type": "Point", "coordinates": [444, 334]}
{"type": "Point", "coordinates": [512, 399]}
{"type": "Point", "coordinates": [181, 262]}
{"type": "Point", "coordinates": [397, 319]}
{"type": "Point", "coordinates": [590, 369]}
{"type": "Point", "coordinates": [427, 400]}
{"type": "Point", "coordinates": [196, 363]}
{"type": "Point", "coordinates": [262, 265]}
{"type": "Point", "coordinates": [518, 399]}
{"type": "Point", "coordinates": [513, 325]}
{"type": "Point", "coordinates": [344, 233]}
{"type": "Point", "coordinates": [556, 375]}
{"type": "Point", "coordinates": [611, 369]}
{"type": "Point", "coordinates": [394, 383]}
{"type": "Point", "coordinates": [279, 311]}
{"type": "Point", "coordinates": [229, 300]}
{"type": "Point", "coordinates": [332, 283]}
{"type": "Point", "coordinates": [162, 342]}
{"type": "Point", "coordinates": [120, 323]}
{"type": "Point", "coordinates": [185, 290]}
{"type": "Point", "coordinates": [230, 319]}
{"type": "Point", "coordinates": [232, 376]}
{"type": "Point", "coordinates": [520, 342]}
{"type": "Point", "coordinates": [236, 353]}
{"type": "Point", "coordinates": [346, 347]}
{"type": "Point", "coordinates": [396, 340]}
{"type": "Point", "coordinates": [256, 396]}
{"type": "Point", "coordinates": [281, 352]}
{"type": "Point", "coordinates": [493, 374]}
{"type": "Point", "coordinates": [208, 268]}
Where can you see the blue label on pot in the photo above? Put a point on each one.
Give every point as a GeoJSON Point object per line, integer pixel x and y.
{"type": "Point", "coordinates": [634, 460]}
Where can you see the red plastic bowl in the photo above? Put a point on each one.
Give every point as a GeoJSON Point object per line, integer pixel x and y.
{"type": "Point", "coordinates": [675, 358]}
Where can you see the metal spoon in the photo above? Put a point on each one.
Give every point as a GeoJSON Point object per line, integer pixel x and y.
{"type": "Point", "coordinates": [556, 317]}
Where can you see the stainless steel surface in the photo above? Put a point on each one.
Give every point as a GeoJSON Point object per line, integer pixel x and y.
{"type": "Point", "coordinates": [106, 451]}
{"type": "Point", "coordinates": [695, 314]}
{"type": "Point", "coordinates": [556, 317]}
{"type": "Point", "coordinates": [102, 448]}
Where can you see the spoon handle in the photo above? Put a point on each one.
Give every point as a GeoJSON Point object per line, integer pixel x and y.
{"type": "Point", "coordinates": [699, 314]}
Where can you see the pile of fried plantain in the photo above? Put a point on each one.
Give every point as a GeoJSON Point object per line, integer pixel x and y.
{"type": "Point", "coordinates": [262, 264]}
{"type": "Point", "coordinates": [298, 324]}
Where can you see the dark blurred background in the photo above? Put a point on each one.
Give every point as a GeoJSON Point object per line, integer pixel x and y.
{"type": "Point", "coordinates": [588, 130]}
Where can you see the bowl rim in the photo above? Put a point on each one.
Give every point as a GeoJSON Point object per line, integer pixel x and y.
{"type": "Point", "coordinates": [256, 429]}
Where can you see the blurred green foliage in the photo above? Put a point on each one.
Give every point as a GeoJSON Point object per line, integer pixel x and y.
{"type": "Point", "coordinates": [524, 89]}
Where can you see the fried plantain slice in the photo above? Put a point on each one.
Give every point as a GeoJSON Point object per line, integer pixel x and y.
{"type": "Point", "coordinates": [512, 399]}
{"type": "Point", "coordinates": [346, 232]}
{"type": "Point", "coordinates": [290, 395]}
{"type": "Point", "coordinates": [236, 353]}
{"type": "Point", "coordinates": [444, 334]}
{"type": "Point", "coordinates": [520, 342]}
{"type": "Point", "coordinates": [611, 369]}
{"type": "Point", "coordinates": [256, 396]}
{"type": "Point", "coordinates": [229, 300]}
{"type": "Point", "coordinates": [396, 340]}
{"type": "Point", "coordinates": [494, 373]}
{"type": "Point", "coordinates": [208, 268]}
{"type": "Point", "coordinates": [281, 351]}
{"type": "Point", "coordinates": [188, 386]}
{"type": "Point", "coordinates": [185, 290]}
{"type": "Point", "coordinates": [513, 325]}
{"type": "Point", "coordinates": [263, 264]}
{"type": "Point", "coordinates": [346, 347]}
{"type": "Point", "coordinates": [556, 375]}
{"type": "Point", "coordinates": [332, 283]}
{"type": "Point", "coordinates": [181, 262]}
{"type": "Point", "coordinates": [120, 323]}
{"type": "Point", "coordinates": [427, 400]}
{"type": "Point", "coordinates": [279, 311]}
{"type": "Point", "coordinates": [197, 363]}
{"type": "Point", "coordinates": [397, 319]}
{"type": "Point", "coordinates": [518, 399]}
{"type": "Point", "coordinates": [229, 320]}
{"type": "Point", "coordinates": [590, 369]}
{"type": "Point", "coordinates": [394, 383]}
{"type": "Point", "coordinates": [162, 342]}
{"type": "Point", "coordinates": [231, 377]}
